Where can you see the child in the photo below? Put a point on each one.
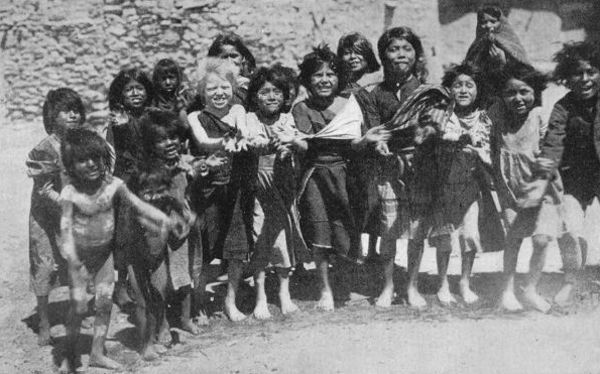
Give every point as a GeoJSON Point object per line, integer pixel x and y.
{"type": "Point", "coordinates": [358, 60]}
{"type": "Point", "coordinates": [276, 229]}
{"type": "Point", "coordinates": [463, 155]}
{"type": "Point", "coordinates": [530, 204]}
{"type": "Point", "coordinates": [62, 110]}
{"type": "Point", "coordinates": [218, 130]}
{"type": "Point", "coordinates": [87, 227]}
{"type": "Point", "coordinates": [290, 76]}
{"type": "Point", "coordinates": [170, 93]}
{"type": "Point", "coordinates": [570, 147]}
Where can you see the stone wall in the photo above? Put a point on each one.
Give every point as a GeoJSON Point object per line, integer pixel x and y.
{"type": "Point", "coordinates": [46, 44]}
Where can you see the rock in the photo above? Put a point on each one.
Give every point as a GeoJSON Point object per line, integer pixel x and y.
{"type": "Point", "coordinates": [116, 30]}
{"type": "Point", "coordinates": [169, 38]}
{"type": "Point", "coordinates": [112, 9]}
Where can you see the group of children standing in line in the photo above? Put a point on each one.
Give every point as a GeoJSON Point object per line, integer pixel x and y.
{"type": "Point", "coordinates": [316, 159]}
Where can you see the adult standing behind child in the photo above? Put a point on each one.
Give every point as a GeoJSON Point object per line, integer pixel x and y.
{"type": "Point", "coordinates": [62, 110]}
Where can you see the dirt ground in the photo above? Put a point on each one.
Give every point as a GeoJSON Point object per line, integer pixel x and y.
{"type": "Point", "coordinates": [356, 338]}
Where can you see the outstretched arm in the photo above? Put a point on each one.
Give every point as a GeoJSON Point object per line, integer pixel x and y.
{"type": "Point", "coordinates": [200, 138]}
{"type": "Point", "coordinates": [150, 217]}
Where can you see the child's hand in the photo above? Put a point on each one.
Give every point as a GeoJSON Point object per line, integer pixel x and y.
{"type": "Point", "coordinates": [46, 189]}
{"type": "Point", "coordinates": [229, 144]}
{"type": "Point", "coordinates": [213, 161]}
{"type": "Point", "coordinates": [383, 149]}
{"type": "Point", "coordinates": [497, 54]}
{"type": "Point", "coordinates": [242, 145]}
{"type": "Point", "coordinates": [118, 118]}
{"type": "Point", "coordinates": [377, 134]}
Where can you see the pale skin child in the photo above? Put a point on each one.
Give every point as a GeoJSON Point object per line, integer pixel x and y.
{"type": "Point", "coordinates": [63, 109]}
{"type": "Point", "coordinates": [87, 231]}
{"type": "Point", "coordinates": [217, 87]}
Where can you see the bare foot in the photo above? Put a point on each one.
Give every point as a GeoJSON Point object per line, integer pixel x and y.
{"type": "Point", "coordinates": [468, 295]}
{"type": "Point", "coordinates": [563, 296]}
{"type": "Point", "coordinates": [160, 349]}
{"type": "Point", "coordinates": [287, 305]}
{"type": "Point", "coordinates": [233, 312]}
{"type": "Point", "coordinates": [261, 311]}
{"type": "Point", "coordinates": [64, 368]}
{"type": "Point", "coordinates": [189, 326]}
{"type": "Point", "coordinates": [509, 302]}
{"type": "Point", "coordinates": [536, 300]}
{"type": "Point", "coordinates": [104, 362]}
{"type": "Point", "coordinates": [415, 299]}
{"type": "Point", "coordinates": [149, 353]}
{"type": "Point", "coordinates": [164, 335]}
{"type": "Point", "coordinates": [445, 297]}
{"type": "Point", "coordinates": [202, 319]}
{"type": "Point", "coordinates": [44, 334]}
{"type": "Point", "coordinates": [326, 302]}
{"type": "Point", "coordinates": [121, 296]}
{"type": "Point", "coordinates": [384, 300]}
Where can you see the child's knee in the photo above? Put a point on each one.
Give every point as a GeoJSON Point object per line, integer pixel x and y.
{"type": "Point", "coordinates": [541, 241]}
{"type": "Point", "coordinates": [104, 292]}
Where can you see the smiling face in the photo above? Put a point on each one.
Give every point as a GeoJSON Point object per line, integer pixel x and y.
{"type": "Point", "coordinates": [585, 81]}
{"type": "Point", "coordinates": [134, 95]}
{"type": "Point", "coordinates": [217, 92]}
{"type": "Point", "coordinates": [66, 119]}
{"type": "Point", "coordinates": [464, 91]}
{"type": "Point", "coordinates": [269, 99]}
{"type": "Point", "coordinates": [354, 61]}
{"type": "Point", "coordinates": [518, 97]}
{"type": "Point", "coordinates": [324, 82]}
{"type": "Point", "coordinates": [87, 170]}
{"type": "Point", "coordinates": [167, 147]}
{"type": "Point", "coordinates": [168, 82]}
{"type": "Point", "coordinates": [400, 57]}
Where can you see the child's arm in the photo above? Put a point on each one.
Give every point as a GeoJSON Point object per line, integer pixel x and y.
{"type": "Point", "coordinates": [552, 146]}
{"type": "Point", "coordinates": [150, 217]}
{"type": "Point", "coordinates": [203, 142]}
{"type": "Point", "coordinates": [67, 248]}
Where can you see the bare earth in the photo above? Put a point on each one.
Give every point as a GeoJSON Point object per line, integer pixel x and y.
{"type": "Point", "coordinates": [356, 338]}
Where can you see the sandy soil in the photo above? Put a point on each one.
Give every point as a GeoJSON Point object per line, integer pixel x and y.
{"type": "Point", "coordinates": [356, 338]}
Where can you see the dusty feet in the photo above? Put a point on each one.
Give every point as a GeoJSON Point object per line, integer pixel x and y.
{"type": "Point", "coordinates": [385, 298]}
{"type": "Point", "coordinates": [468, 295]}
{"type": "Point", "coordinates": [233, 312]}
{"type": "Point", "coordinates": [150, 354]}
{"type": "Point", "coordinates": [44, 334]}
{"type": "Point", "coordinates": [261, 310]}
{"type": "Point", "coordinates": [325, 303]}
{"type": "Point", "coordinates": [445, 296]}
{"type": "Point", "coordinates": [536, 300]}
{"type": "Point", "coordinates": [188, 325]}
{"type": "Point", "coordinates": [202, 319]}
{"type": "Point", "coordinates": [101, 361]}
{"type": "Point", "coordinates": [160, 349]}
{"type": "Point", "coordinates": [563, 297]}
{"type": "Point", "coordinates": [164, 334]}
{"type": "Point", "coordinates": [415, 299]}
{"type": "Point", "coordinates": [509, 302]}
{"type": "Point", "coordinates": [287, 305]}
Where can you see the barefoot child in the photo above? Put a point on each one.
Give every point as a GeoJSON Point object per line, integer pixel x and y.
{"type": "Point", "coordinates": [218, 130]}
{"type": "Point", "coordinates": [571, 148]}
{"type": "Point", "coordinates": [530, 204]}
{"type": "Point", "coordinates": [277, 236]}
{"type": "Point", "coordinates": [87, 230]}
{"type": "Point", "coordinates": [463, 154]}
{"type": "Point", "coordinates": [62, 110]}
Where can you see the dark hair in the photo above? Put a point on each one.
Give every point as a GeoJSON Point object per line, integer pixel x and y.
{"type": "Point", "coordinates": [406, 33]}
{"type": "Point", "coordinates": [150, 172]}
{"type": "Point", "coordinates": [236, 41]}
{"type": "Point", "coordinates": [259, 78]}
{"type": "Point", "coordinates": [82, 144]}
{"type": "Point", "coordinates": [291, 78]}
{"type": "Point", "coordinates": [527, 74]}
{"type": "Point", "coordinates": [61, 100]}
{"type": "Point", "coordinates": [454, 71]}
{"type": "Point", "coordinates": [156, 124]}
{"type": "Point", "coordinates": [360, 44]}
{"type": "Point", "coordinates": [568, 58]}
{"type": "Point", "coordinates": [491, 10]}
{"type": "Point", "coordinates": [164, 67]}
{"type": "Point", "coordinates": [312, 62]}
{"type": "Point", "coordinates": [115, 91]}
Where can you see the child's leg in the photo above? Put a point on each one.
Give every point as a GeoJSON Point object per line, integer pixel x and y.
{"type": "Point", "coordinates": [443, 250]}
{"type": "Point", "coordinates": [261, 310]}
{"type": "Point", "coordinates": [536, 266]}
{"type": "Point", "coordinates": [387, 250]}
{"type": "Point", "coordinates": [372, 252]}
{"type": "Point", "coordinates": [415, 254]}
{"type": "Point", "coordinates": [511, 255]}
{"type": "Point", "coordinates": [44, 327]}
{"type": "Point", "coordinates": [234, 274]}
{"type": "Point", "coordinates": [104, 283]}
{"type": "Point", "coordinates": [287, 305]}
{"type": "Point", "coordinates": [71, 359]}
{"type": "Point", "coordinates": [139, 280]}
{"type": "Point", "coordinates": [470, 244]}
{"type": "Point", "coordinates": [187, 323]}
{"type": "Point", "coordinates": [326, 301]}
{"type": "Point", "coordinates": [571, 253]}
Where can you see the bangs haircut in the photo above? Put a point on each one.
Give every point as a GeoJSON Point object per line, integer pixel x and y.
{"type": "Point", "coordinates": [61, 100]}
{"type": "Point", "coordinates": [82, 144]}
{"type": "Point", "coordinates": [115, 91]}
{"type": "Point", "coordinates": [314, 61]}
{"type": "Point", "coordinates": [359, 44]}
{"type": "Point", "coordinates": [454, 71]}
{"type": "Point", "coordinates": [223, 69]}
{"type": "Point", "coordinates": [236, 41]}
{"type": "Point", "coordinates": [534, 79]}
{"type": "Point", "coordinates": [491, 10]}
{"type": "Point", "coordinates": [404, 33]}
{"type": "Point", "coordinates": [157, 124]}
{"type": "Point", "coordinates": [571, 55]}
{"type": "Point", "coordinates": [259, 78]}
{"type": "Point", "coordinates": [165, 67]}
